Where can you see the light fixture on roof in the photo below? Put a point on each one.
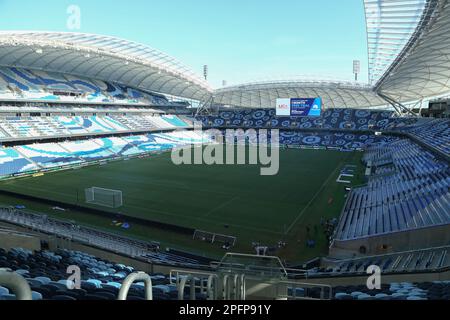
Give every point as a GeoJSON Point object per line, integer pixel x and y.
{"type": "Point", "coordinates": [39, 51]}
{"type": "Point", "coordinates": [87, 55]}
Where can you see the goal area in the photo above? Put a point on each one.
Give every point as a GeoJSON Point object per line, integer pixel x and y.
{"type": "Point", "coordinates": [104, 197]}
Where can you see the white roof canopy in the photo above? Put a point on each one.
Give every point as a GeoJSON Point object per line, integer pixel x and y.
{"type": "Point", "coordinates": [409, 48]}
{"type": "Point", "coordinates": [264, 94]}
{"type": "Point", "coordinates": [409, 60]}
{"type": "Point", "coordinates": [390, 25]}
{"type": "Point", "coordinates": [104, 58]}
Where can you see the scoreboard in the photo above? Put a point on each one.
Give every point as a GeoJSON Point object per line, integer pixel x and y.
{"type": "Point", "coordinates": [299, 107]}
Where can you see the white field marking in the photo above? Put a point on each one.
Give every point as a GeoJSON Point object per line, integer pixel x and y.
{"type": "Point", "coordinates": [166, 213]}
{"type": "Point", "coordinates": [218, 222]}
{"type": "Point", "coordinates": [220, 206]}
{"type": "Point", "coordinates": [171, 214]}
{"type": "Point", "coordinates": [312, 200]}
{"type": "Point", "coordinates": [339, 180]}
{"type": "Point", "coordinates": [170, 185]}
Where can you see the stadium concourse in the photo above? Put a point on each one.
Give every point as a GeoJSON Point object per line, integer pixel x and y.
{"type": "Point", "coordinates": [133, 101]}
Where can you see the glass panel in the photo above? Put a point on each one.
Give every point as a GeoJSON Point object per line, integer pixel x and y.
{"type": "Point", "coordinates": [390, 25]}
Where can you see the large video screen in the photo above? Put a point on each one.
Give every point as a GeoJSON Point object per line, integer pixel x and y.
{"type": "Point", "coordinates": [299, 107]}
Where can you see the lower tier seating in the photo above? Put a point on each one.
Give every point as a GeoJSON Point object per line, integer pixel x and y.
{"type": "Point", "coordinates": [46, 273]}
{"type": "Point", "coordinates": [438, 290]}
{"type": "Point", "coordinates": [35, 157]}
{"type": "Point", "coordinates": [409, 189]}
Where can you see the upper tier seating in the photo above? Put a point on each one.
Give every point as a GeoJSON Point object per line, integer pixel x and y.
{"type": "Point", "coordinates": [434, 132]}
{"type": "Point", "coordinates": [174, 121]}
{"type": "Point", "coordinates": [92, 124]}
{"type": "Point", "coordinates": [347, 141]}
{"type": "Point", "coordinates": [17, 83]}
{"type": "Point", "coordinates": [52, 126]}
{"type": "Point", "coordinates": [136, 122]}
{"type": "Point", "coordinates": [160, 123]}
{"type": "Point", "coordinates": [20, 127]}
{"type": "Point", "coordinates": [330, 119]}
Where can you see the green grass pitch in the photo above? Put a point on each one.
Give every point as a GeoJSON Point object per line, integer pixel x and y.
{"type": "Point", "coordinates": [233, 200]}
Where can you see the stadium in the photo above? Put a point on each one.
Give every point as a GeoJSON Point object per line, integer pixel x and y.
{"type": "Point", "coordinates": [90, 126]}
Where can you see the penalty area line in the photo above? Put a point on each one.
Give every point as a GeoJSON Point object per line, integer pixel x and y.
{"type": "Point", "coordinates": [313, 199]}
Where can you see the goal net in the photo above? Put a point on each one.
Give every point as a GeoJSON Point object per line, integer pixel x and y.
{"type": "Point", "coordinates": [104, 197]}
{"type": "Point", "coordinates": [214, 238]}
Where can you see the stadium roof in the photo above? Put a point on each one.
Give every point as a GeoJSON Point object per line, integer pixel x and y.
{"type": "Point", "coordinates": [409, 60]}
{"type": "Point", "coordinates": [101, 57]}
{"type": "Point", "coordinates": [390, 25]}
{"type": "Point", "coordinates": [264, 94]}
{"type": "Point", "coordinates": [409, 48]}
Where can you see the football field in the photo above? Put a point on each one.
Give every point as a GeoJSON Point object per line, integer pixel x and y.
{"type": "Point", "coordinates": [233, 200]}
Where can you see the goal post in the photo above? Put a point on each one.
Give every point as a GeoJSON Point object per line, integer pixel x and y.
{"type": "Point", "coordinates": [203, 236]}
{"type": "Point", "coordinates": [104, 197]}
{"type": "Point", "coordinates": [214, 238]}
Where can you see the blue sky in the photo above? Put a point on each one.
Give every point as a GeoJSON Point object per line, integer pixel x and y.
{"type": "Point", "coordinates": [240, 40]}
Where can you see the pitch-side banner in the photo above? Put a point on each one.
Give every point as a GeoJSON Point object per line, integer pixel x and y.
{"type": "Point", "coordinates": [299, 107]}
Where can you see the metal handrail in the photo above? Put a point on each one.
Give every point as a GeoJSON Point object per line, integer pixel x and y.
{"type": "Point", "coordinates": [16, 283]}
{"type": "Point", "coordinates": [137, 276]}
{"type": "Point", "coordinates": [182, 285]}
{"type": "Point", "coordinates": [232, 286]}
{"type": "Point", "coordinates": [212, 291]}
{"type": "Point", "coordinates": [240, 287]}
{"type": "Point", "coordinates": [226, 291]}
{"type": "Point", "coordinates": [235, 267]}
{"type": "Point", "coordinates": [237, 289]}
{"type": "Point", "coordinates": [211, 283]}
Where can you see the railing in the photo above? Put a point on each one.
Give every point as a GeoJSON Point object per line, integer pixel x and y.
{"type": "Point", "coordinates": [218, 286]}
{"type": "Point", "coordinates": [235, 290]}
{"type": "Point", "coordinates": [137, 276]}
{"type": "Point", "coordinates": [82, 234]}
{"type": "Point", "coordinates": [326, 292]}
{"type": "Point", "coordinates": [182, 284]}
{"type": "Point", "coordinates": [229, 286]}
{"type": "Point", "coordinates": [208, 287]}
{"type": "Point", "coordinates": [18, 285]}
{"type": "Point", "coordinates": [265, 267]}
